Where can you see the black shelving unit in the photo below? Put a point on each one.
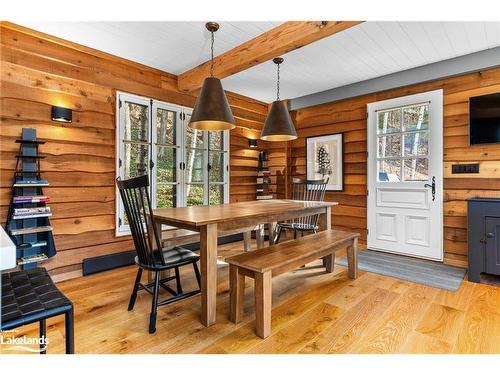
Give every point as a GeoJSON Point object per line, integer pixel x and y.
{"type": "Point", "coordinates": [263, 178]}
{"type": "Point", "coordinates": [28, 220]}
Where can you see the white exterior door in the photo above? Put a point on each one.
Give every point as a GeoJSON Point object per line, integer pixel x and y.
{"type": "Point", "coordinates": [405, 175]}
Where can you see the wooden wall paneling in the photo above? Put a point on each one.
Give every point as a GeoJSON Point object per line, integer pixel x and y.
{"type": "Point", "coordinates": [349, 116]}
{"type": "Point", "coordinates": [38, 71]}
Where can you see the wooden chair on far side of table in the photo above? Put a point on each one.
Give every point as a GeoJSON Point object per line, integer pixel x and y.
{"type": "Point", "coordinates": [150, 254]}
{"type": "Point", "coordinates": [304, 190]}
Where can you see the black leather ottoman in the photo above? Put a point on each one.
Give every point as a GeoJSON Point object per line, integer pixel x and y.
{"type": "Point", "coordinates": [30, 296]}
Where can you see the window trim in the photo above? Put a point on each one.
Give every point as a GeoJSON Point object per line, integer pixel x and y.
{"type": "Point", "coordinates": [181, 113]}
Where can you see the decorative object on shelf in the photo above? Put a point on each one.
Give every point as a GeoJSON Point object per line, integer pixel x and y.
{"type": "Point", "coordinates": [263, 178]}
{"type": "Point", "coordinates": [28, 218]}
{"type": "Point", "coordinates": [211, 111]}
{"type": "Point", "coordinates": [252, 143]}
{"type": "Point", "coordinates": [325, 159]}
{"type": "Point", "coordinates": [61, 114]}
{"type": "Point", "coordinates": [279, 125]}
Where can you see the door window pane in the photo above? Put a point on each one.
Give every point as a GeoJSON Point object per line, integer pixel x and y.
{"type": "Point", "coordinates": [416, 144]}
{"type": "Point", "coordinates": [216, 140]}
{"type": "Point", "coordinates": [194, 194]}
{"type": "Point", "coordinates": [165, 127]}
{"type": "Point", "coordinates": [216, 163]}
{"type": "Point", "coordinates": [136, 160]}
{"type": "Point", "coordinates": [166, 195]}
{"type": "Point", "coordinates": [166, 163]}
{"type": "Point", "coordinates": [389, 146]}
{"type": "Point", "coordinates": [416, 117]}
{"type": "Point", "coordinates": [136, 122]}
{"type": "Point", "coordinates": [216, 194]}
{"type": "Point", "coordinates": [389, 121]}
{"type": "Point", "coordinates": [195, 166]}
{"type": "Point", "coordinates": [416, 169]}
{"type": "Point", "coordinates": [389, 170]}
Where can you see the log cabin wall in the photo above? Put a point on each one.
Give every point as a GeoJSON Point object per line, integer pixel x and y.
{"type": "Point", "coordinates": [350, 117]}
{"type": "Point", "coordinates": [38, 71]}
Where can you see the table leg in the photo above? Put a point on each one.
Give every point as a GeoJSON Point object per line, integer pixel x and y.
{"type": "Point", "coordinates": [259, 235]}
{"type": "Point", "coordinates": [352, 259]}
{"type": "Point", "coordinates": [247, 241]}
{"type": "Point", "coordinates": [325, 220]}
{"type": "Point", "coordinates": [208, 262]}
{"type": "Point", "coordinates": [272, 228]}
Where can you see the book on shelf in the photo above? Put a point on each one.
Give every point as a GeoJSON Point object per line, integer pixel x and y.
{"type": "Point", "coordinates": [18, 231]}
{"type": "Point", "coordinates": [31, 183]}
{"type": "Point", "coordinates": [31, 199]}
{"type": "Point", "coordinates": [26, 245]}
{"type": "Point", "coordinates": [32, 211]}
{"type": "Point", "coordinates": [32, 259]}
{"type": "Point", "coordinates": [259, 197]}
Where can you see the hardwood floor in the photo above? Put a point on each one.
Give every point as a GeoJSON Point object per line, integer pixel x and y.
{"type": "Point", "coordinates": [313, 312]}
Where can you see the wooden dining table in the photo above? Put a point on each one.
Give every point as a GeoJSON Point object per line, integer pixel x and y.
{"type": "Point", "coordinates": [219, 220]}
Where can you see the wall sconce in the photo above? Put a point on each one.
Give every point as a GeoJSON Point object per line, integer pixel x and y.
{"type": "Point", "coordinates": [252, 143]}
{"type": "Point", "coordinates": [61, 114]}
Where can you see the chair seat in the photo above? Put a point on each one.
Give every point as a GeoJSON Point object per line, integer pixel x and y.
{"type": "Point", "coordinates": [174, 257]}
{"type": "Point", "coordinates": [29, 296]}
{"type": "Point", "coordinates": [298, 226]}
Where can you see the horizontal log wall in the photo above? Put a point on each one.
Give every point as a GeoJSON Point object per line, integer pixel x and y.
{"type": "Point", "coordinates": [349, 117]}
{"type": "Point", "coordinates": [38, 71]}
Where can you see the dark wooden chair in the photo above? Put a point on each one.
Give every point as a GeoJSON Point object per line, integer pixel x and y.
{"type": "Point", "coordinates": [150, 254]}
{"type": "Point", "coordinates": [304, 190]}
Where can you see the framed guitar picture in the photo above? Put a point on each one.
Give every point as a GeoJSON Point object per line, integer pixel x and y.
{"type": "Point", "coordinates": [325, 158]}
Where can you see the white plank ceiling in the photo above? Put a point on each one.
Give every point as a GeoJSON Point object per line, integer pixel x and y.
{"type": "Point", "coordinates": [366, 51]}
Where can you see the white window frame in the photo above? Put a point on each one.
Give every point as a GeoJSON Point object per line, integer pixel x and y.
{"type": "Point", "coordinates": [181, 124]}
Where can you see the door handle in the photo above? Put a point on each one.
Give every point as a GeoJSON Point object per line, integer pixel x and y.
{"type": "Point", "coordinates": [433, 187]}
{"type": "Point", "coordinates": [490, 235]}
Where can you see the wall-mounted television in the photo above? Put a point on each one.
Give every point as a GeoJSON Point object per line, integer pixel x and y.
{"type": "Point", "coordinates": [484, 119]}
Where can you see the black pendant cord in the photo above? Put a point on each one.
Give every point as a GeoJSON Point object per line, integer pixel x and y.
{"type": "Point", "coordinates": [212, 55]}
{"type": "Point", "coordinates": [278, 85]}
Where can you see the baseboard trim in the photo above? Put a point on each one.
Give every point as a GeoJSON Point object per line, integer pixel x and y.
{"type": "Point", "coordinates": [108, 262]}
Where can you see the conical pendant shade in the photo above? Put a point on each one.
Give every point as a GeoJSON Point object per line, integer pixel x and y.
{"type": "Point", "coordinates": [278, 125]}
{"type": "Point", "coordinates": [211, 111]}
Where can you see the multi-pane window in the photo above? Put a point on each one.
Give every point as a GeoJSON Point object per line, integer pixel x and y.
{"type": "Point", "coordinates": [403, 144]}
{"type": "Point", "coordinates": [186, 166]}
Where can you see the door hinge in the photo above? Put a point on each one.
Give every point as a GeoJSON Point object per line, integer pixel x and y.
{"type": "Point", "coordinates": [367, 192]}
{"type": "Point", "coordinates": [151, 164]}
{"type": "Point", "coordinates": [367, 231]}
{"type": "Point", "coordinates": [119, 222]}
{"type": "Point", "coordinates": [119, 103]}
{"type": "Point", "coordinates": [119, 163]}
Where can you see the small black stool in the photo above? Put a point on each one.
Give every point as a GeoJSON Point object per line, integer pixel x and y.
{"type": "Point", "coordinates": [30, 296]}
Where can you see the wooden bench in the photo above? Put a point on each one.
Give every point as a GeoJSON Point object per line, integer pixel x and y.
{"type": "Point", "coordinates": [262, 265]}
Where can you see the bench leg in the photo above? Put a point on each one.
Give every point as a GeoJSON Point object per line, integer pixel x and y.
{"type": "Point", "coordinates": [236, 294]}
{"type": "Point", "coordinates": [352, 259]}
{"type": "Point", "coordinates": [329, 262]}
{"type": "Point", "coordinates": [43, 335]}
{"type": "Point", "coordinates": [263, 303]}
{"type": "Point", "coordinates": [69, 332]}
{"type": "Point", "coordinates": [247, 241]}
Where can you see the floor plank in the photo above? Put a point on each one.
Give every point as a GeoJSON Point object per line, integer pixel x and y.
{"type": "Point", "coordinates": [313, 312]}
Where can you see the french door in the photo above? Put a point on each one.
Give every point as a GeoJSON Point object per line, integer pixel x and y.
{"type": "Point", "coordinates": [405, 175]}
{"type": "Point", "coordinates": [186, 166]}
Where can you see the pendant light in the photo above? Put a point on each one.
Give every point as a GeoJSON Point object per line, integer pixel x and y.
{"type": "Point", "coordinates": [278, 125]}
{"type": "Point", "coordinates": [211, 111]}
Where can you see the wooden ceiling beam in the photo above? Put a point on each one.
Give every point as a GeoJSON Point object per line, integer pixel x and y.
{"type": "Point", "coordinates": [285, 38]}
